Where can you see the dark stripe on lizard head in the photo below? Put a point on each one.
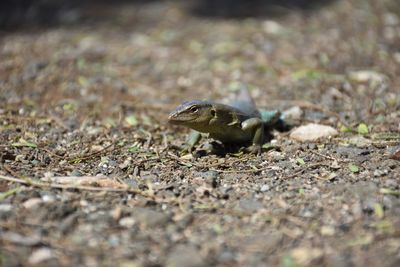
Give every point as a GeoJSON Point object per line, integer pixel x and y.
{"type": "Point", "coordinates": [190, 103]}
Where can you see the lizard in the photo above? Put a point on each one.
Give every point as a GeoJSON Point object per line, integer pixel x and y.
{"type": "Point", "coordinates": [237, 123]}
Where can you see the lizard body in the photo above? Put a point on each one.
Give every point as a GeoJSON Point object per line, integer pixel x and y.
{"type": "Point", "coordinates": [239, 123]}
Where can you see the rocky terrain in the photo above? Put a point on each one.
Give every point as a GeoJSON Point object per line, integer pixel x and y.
{"type": "Point", "coordinates": [91, 174]}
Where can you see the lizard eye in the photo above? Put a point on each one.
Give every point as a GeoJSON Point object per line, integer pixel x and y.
{"type": "Point", "coordinates": [194, 109]}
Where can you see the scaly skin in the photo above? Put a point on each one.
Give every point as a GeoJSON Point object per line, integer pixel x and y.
{"type": "Point", "coordinates": [222, 122]}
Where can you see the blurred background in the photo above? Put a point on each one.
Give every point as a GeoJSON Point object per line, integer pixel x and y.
{"type": "Point", "coordinates": [136, 53]}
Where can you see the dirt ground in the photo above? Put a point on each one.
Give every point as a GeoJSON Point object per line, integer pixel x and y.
{"type": "Point", "coordinates": [91, 173]}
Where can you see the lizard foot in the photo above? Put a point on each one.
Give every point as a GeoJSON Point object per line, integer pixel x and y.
{"type": "Point", "coordinates": [188, 149]}
{"type": "Point", "coordinates": [210, 148]}
{"type": "Point", "coordinates": [253, 149]}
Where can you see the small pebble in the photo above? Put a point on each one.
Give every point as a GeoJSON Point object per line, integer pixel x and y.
{"type": "Point", "coordinates": [264, 188]}
{"type": "Point", "coordinates": [127, 222]}
{"type": "Point", "coordinates": [40, 255]}
{"type": "Point", "coordinates": [48, 174]}
{"type": "Point", "coordinates": [359, 141]}
{"type": "Point", "coordinates": [294, 113]}
{"type": "Point", "coordinates": [391, 183]}
{"type": "Point", "coordinates": [272, 27]}
{"type": "Point", "coordinates": [48, 198]}
{"type": "Point", "coordinates": [35, 162]}
{"type": "Point", "coordinates": [185, 255]}
{"type": "Point", "coordinates": [275, 155]}
{"type": "Point", "coordinates": [75, 172]}
{"type": "Point", "coordinates": [363, 76]}
{"type": "Point", "coordinates": [5, 207]}
{"type": "Point", "coordinates": [327, 230]}
{"type": "Point", "coordinates": [379, 173]}
{"type": "Point", "coordinates": [395, 153]}
{"type": "Point", "coordinates": [32, 202]}
{"type": "Point", "coordinates": [303, 255]}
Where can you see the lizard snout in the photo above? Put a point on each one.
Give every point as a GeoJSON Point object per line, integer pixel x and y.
{"type": "Point", "coordinates": [172, 117]}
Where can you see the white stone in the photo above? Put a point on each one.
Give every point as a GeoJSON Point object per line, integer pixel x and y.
{"type": "Point", "coordinates": [48, 174]}
{"type": "Point", "coordinates": [391, 19]}
{"type": "Point", "coordinates": [312, 132]}
{"type": "Point", "coordinates": [264, 188]}
{"type": "Point", "coordinates": [359, 141]}
{"type": "Point", "coordinates": [127, 222]}
{"type": "Point", "coordinates": [294, 113]}
{"type": "Point", "coordinates": [367, 76]}
{"type": "Point", "coordinates": [5, 207]}
{"type": "Point", "coordinates": [40, 255]}
{"type": "Point", "coordinates": [327, 230]}
{"type": "Point", "coordinates": [32, 202]}
{"type": "Point", "coordinates": [304, 255]}
{"type": "Point", "coordinates": [273, 27]}
{"type": "Point", "coordinates": [275, 155]}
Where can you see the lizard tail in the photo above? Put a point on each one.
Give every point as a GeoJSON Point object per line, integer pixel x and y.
{"type": "Point", "coordinates": [244, 95]}
{"type": "Point", "coordinates": [244, 101]}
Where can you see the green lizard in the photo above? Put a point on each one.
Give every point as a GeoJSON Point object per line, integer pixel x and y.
{"type": "Point", "coordinates": [237, 123]}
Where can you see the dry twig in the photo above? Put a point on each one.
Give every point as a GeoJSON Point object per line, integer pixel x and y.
{"type": "Point", "coordinates": [76, 187]}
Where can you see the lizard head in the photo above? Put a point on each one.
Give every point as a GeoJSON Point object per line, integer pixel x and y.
{"type": "Point", "coordinates": [192, 114]}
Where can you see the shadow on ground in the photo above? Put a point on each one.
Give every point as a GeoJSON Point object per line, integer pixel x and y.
{"type": "Point", "coordinates": [254, 8]}
{"type": "Point", "coordinates": [19, 14]}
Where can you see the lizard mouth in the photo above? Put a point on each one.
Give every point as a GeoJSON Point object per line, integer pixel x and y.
{"type": "Point", "coordinates": [175, 119]}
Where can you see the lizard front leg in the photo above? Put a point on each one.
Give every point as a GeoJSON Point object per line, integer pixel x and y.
{"type": "Point", "coordinates": [256, 127]}
{"type": "Point", "coordinates": [191, 141]}
{"type": "Point", "coordinates": [208, 148]}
